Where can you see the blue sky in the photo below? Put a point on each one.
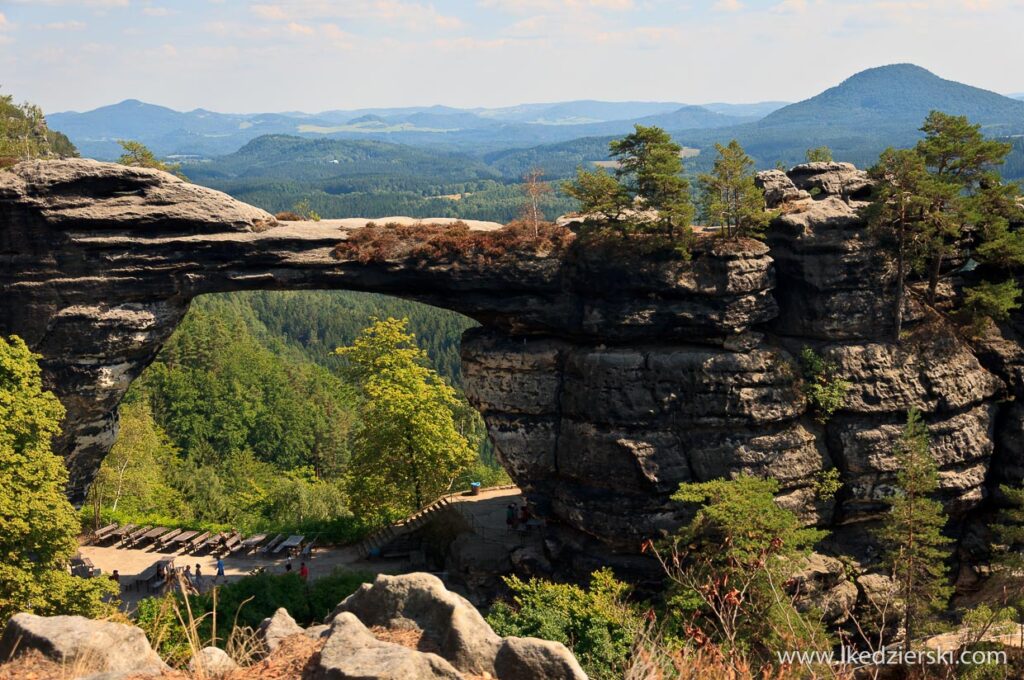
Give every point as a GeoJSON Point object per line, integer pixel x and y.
{"type": "Point", "coordinates": [311, 55]}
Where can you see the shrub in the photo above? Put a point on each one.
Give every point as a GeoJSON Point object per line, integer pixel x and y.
{"type": "Point", "coordinates": [240, 604]}
{"type": "Point", "coordinates": [823, 388]}
{"type": "Point", "coordinates": [456, 243]}
{"type": "Point", "coordinates": [595, 623]}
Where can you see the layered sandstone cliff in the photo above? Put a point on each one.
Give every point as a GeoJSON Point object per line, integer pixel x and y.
{"type": "Point", "coordinates": [605, 378]}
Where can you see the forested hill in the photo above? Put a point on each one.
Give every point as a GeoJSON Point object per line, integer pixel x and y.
{"type": "Point", "coordinates": [365, 178]}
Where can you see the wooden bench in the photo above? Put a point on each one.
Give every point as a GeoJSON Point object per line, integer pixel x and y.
{"type": "Point", "coordinates": [194, 543]}
{"type": "Point", "coordinates": [131, 538]}
{"type": "Point", "coordinates": [168, 537]}
{"type": "Point", "coordinates": [270, 547]}
{"type": "Point", "coordinates": [152, 535]}
{"type": "Point", "coordinates": [290, 543]}
{"type": "Point", "coordinates": [250, 544]}
{"type": "Point", "coordinates": [104, 533]}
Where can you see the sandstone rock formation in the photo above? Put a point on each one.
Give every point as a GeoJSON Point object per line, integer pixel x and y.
{"type": "Point", "coordinates": [605, 378]}
{"type": "Point", "coordinates": [351, 652]}
{"type": "Point", "coordinates": [451, 627]}
{"type": "Point", "coordinates": [93, 647]}
{"type": "Point", "coordinates": [275, 628]}
{"type": "Point", "coordinates": [211, 662]}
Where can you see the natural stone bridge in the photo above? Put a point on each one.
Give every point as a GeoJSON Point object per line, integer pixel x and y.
{"type": "Point", "coordinates": [604, 382]}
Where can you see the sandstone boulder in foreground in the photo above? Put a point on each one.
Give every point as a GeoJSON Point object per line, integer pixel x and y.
{"type": "Point", "coordinates": [82, 644]}
{"type": "Point", "coordinates": [451, 625]}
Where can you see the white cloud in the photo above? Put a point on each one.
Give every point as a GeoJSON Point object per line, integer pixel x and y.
{"type": "Point", "coordinates": [296, 28]}
{"type": "Point", "coordinates": [410, 15]}
{"type": "Point", "coordinates": [556, 6]}
{"type": "Point", "coordinates": [157, 11]}
{"type": "Point", "coordinates": [4, 23]}
{"type": "Point", "coordinates": [273, 12]}
{"type": "Point", "coordinates": [64, 26]}
{"type": "Point", "coordinates": [73, 3]}
{"type": "Point", "coordinates": [727, 6]}
{"type": "Point", "coordinates": [791, 7]}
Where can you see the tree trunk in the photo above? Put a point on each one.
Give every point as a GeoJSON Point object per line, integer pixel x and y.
{"type": "Point", "coordinates": [901, 275]}
{"type": "Point", "coordinates": [933, 277]}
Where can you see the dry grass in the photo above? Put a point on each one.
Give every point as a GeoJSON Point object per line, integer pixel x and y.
{"type": "Point", "coordinates": [455, 243]}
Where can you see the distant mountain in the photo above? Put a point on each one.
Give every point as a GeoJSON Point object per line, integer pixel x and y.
{"type": "Point", "coordinates": [755, 110]}
{"type": "Point", "coordinates": [578, 112]}
{"type": "Point", "coordinates": [206, 133]}
{"type": "Point", "coordinates": [1019, 95]}
{"type": "Point", "coordinates": [858, 119]}
{"type": "Point", "coordinates": [167, 131]}
{"type": "Point", "coordinates": [893, 96]}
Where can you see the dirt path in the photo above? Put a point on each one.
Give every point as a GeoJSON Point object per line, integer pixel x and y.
{"type": "Point", "coordinates": [486, 511]}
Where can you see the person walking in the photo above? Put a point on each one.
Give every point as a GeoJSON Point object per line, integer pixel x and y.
{"type": "Point", "coordinates": [304, 572]}
{"type": "Point", "coordinates": [220, 570]}
{"type": "Point", "coordinates": [510, 516]}
{"type": "Point", "coordinates": [199, 577]}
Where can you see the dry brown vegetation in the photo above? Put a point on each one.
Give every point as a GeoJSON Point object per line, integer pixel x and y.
{"type": "Point", "coordinates": [455, 243]}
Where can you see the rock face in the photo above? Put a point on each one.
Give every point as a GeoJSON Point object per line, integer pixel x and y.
{"type": "Point", "coordinates": [463, 641]}
{"type": "Point", "coordinates": [351, 652]}
{"type": "Point", "coordinates": [605, 378]}
{"type": "Point", "coordinates": [81, 643]}
{"type": "Point", "coordinates": [275, 628]}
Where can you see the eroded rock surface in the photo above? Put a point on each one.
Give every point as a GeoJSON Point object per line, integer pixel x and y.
{"type": "Point", "coordinates": [89, 646]}
{"type": "Point", "coordinates": [605, 378]}
{"type": "Point", "coordinates": [451, 627]}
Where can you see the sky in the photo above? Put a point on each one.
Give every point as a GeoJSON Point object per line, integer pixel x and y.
{"type": "Point", "coordinates": [315, 55]}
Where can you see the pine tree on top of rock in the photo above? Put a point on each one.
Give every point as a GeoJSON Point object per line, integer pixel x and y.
{"type": "Point", "coordinates": [729, 197]}
{"type": "Point", "coordinates": [648, 192]}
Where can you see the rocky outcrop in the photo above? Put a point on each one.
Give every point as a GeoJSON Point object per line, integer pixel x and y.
{"type": "Point", "coordinates": [95, 647]}
{"type": "Point", "coordinates": [835, 295]}
{"type": "Point", "coordinates": [351, 652]}
{"type": "Point", "coordinates": [451, 626]}
{"type": "Point", "coordinates": [211, 662]}
{"type": "Point", "coordinates": [276, 628]}
{"type": "Point", "coordinates": [606, 375]}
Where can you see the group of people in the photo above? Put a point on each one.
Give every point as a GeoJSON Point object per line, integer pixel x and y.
{"type": "Point", "coordinates": [192, 581]}
{"type": "Point", "coordinates": [517, 517]}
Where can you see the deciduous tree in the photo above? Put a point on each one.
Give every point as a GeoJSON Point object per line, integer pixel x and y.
{"type": "Point", "coordinates": [407, 450]}
{"type": "Point", "coordinates": [38, 526]}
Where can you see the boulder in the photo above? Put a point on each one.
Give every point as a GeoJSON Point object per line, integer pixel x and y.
{"type": "Point", "coordinates": [211, 662]}
{"type": "Point", "coordinates": [351, 652]}
{"type": "Point", "coordinates": [531, 658]}
{"type": "Point", "coordinates": [317, 632]}
{"type": "Point", "coordinates": [99, 646]}
{"type": "Point", "coordinates": [821, 583]}
{"type": "Point", "coordinates": [462, 635]}
{"type": "Point", "coordinates": [778, 188]}
{"type": "Point", "coordinates": [277, 627]}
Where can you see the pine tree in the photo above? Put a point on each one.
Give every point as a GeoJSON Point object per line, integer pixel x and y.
{"type": "Point", "coordinates": [138, 155]}
{"type": "Point", "coordinates": [959, 156]}
{"type": "Point", "coordinates": [649, 177]}
{"type": "Point", "coordinates": [911, 533]}
{"type": "Point", "coordinates": [730, 198]}
{"type": "Point", "coordinates": [820, 154]}
{"type": "Point", "coordinates": [905, 202]}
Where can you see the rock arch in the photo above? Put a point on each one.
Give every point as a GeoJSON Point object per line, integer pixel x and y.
{"type": "Point", "coordinates": [604, 381]}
